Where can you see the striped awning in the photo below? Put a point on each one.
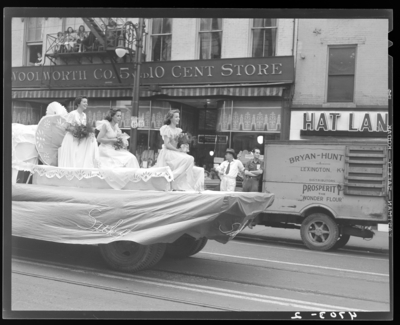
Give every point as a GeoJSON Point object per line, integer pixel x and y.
{"type": "Point", "coordinates": [173, 92]}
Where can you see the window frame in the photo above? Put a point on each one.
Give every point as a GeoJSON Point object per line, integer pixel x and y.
{"type": "Point", "coordinates": [209, 31]}
{"type": "Point", "coordinates": [151, 34]}
{"type": "Point", "coordinates": [354, 75]}
{"type": "Point", "coordinates": [28, 52]}
{"type": "Point", "coordinates": [252, 28]}
{"type": "Point", "coordinates": [27, 43]}
{"type": "Point", "coordinates": [27, 29]}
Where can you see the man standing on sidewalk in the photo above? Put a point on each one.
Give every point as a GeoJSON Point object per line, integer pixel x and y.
{"type": "Point", "coordinates": [228, 171]}
{"type": "Point", "coordinates": [253, 172]}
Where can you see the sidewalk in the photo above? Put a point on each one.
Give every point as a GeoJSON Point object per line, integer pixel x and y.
{"type": "Point", "coordinates": [380, 242]}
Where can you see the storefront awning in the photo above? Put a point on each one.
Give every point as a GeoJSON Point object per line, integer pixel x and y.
{"type": "Point", "coordinates": [173, 92]}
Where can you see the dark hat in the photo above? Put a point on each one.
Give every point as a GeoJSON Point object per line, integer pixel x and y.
{"type": "Point", "coordinates": [231, 151]}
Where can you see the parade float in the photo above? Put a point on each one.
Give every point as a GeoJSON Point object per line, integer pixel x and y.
{"type": "Point", "coordinates": [132, 214]}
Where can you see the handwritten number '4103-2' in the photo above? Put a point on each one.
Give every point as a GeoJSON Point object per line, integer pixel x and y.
{"type": "Point", "coordinates": [322, 315]}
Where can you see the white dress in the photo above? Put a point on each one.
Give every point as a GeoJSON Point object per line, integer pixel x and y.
{"type": "Point", "coordinates": [187, 177]}
{"type": "Point", "coordinates": [109, 157]}
{"type": "Point", "coordinates": [75, 153]}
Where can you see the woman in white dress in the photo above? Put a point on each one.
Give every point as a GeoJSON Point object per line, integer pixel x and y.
{"type": "Point", "coordinates": [107, 137]}
{"type": "Point", "coordinates": [186, 177]}
{"type": "Point", "coordinates": [75, 153]}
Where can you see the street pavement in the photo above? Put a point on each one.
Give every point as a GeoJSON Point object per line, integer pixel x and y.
{"type": "Point", "coordinates": [380, 241]}
{"type": "Point", "coordinates": [242, 275]}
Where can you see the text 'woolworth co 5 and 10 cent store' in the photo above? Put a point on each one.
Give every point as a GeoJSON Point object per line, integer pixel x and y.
{"type": "Point", "coordinates": [223, 102]}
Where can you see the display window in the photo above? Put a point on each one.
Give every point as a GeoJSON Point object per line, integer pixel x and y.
{"type": "Point", "coordinates": [239, 124]}
{"type": "Point", "coordinates": [27, 113]}
{"type": "Point", "coordinates": [249, 116]}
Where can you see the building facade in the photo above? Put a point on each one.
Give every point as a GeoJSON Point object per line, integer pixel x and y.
{"type": "Point", "coordinates": [228, 77]}
{"type": "Point", "coordinates": [341, 84]}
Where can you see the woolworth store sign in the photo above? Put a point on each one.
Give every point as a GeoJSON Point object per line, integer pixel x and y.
{"type": "Point", "coordinates": [237, 70]}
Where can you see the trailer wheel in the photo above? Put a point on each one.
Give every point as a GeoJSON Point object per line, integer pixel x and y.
{"type": "Point", "coordinates": [160, 251]}
{"type": "Point", "coordinates": [319, 232]}
{"type": "Point", "coordinates": [185, 246]}
{"type": "Point", "coordinates": [341, 242]}
{"type": "Point", "coordinates": [127, 255]}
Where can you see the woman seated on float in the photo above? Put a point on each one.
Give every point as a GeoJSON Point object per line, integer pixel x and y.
{"type": "Point", "coordinates": [74, 152]}
{"type": "Point", "coordinates": [186, 177]}
{"type": "Point", "coordinates": [112, 149]}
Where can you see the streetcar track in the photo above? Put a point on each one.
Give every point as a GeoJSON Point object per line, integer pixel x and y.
{"type": "Point", "coordinates": [252, 244]}
{"type": "Point", "coordinates": [238, 263]}
{"type": "Point", "coordinates": [246, 239]}
{"type": "Point", "coordinates": [216, 278]}
{"type": "Point", "coordinates": [364, 251]}
{"type": "Point", "coordinates": [254, 264]}
{"type": "Point", "coordinates": [129, 276]}
{"type": "Point", "coordinates": [280, 269]}
{"type": "Point", "coordinates": [316, 293]}
{"type": "Point", "coordinates": [184, 286]}
{"type": "Point", "coordinates": [282, 248]}
{"type": "Point", "coordinates": [129, 292]}
{"type": "Point", "coordinates": [325, 253]}
{"type": "Point", "coordinates": [296, 264]}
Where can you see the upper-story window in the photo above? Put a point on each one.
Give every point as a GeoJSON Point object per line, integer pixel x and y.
{"type": "Point", "coordinates": [210, 38]}
{"type": "Point", "coordinates": [341, 73]}
{"type": "Point", "coordinates": [34, 40]}
{"type": "Point", "coordinates": [161, 38]}
{"type": "Point", "coordinates": [264, 37]}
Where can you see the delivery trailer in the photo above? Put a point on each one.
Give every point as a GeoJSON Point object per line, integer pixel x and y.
{"type": "Point", "coordinates": [135, 226]}
{"type": "Point", "coordinates": [330, 191]}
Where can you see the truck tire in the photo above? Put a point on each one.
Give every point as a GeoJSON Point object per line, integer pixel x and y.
{"type": "Point", "coordinates": [341, 242]}
{"type": "Point", "coordinates": [128, 256]}
{"type": "Point", "coordinates": [319, 232]}
{"type": "Point", "coordinates": [185, 246]}
{"type": "Point", "coordinates": [160, 251]}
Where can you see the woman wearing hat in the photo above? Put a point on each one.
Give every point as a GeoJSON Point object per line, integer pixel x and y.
{"type": "Point", "coordinates": [228, 171]}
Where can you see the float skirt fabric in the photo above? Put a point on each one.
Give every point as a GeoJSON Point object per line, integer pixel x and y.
{"type": "Point", "coordinates": [100, 216]}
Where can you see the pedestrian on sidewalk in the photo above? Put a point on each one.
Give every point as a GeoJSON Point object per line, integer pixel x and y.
{"type": "Point", "coordinates": [228, 171]}
{"type": "Point", "coordinates": [254, 169]}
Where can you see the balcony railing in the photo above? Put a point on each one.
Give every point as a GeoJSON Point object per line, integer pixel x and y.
{"type": "Point", "coordinates": [74, 46]}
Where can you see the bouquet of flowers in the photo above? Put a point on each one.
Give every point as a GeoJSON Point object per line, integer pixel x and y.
{"type": "Point", "coordinates": [81, 131]}
{"type": "Point", "coordinates": [184, 139]}
{"type": "Point", "coordinates": [122, 142]}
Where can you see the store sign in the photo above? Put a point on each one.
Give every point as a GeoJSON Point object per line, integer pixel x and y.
{"type": "Point", "coordinates": [237, 70]}
{"type": "Point", "coordinates": [348, 121]}
{"type": "Point", "coordinates": [212, 139]}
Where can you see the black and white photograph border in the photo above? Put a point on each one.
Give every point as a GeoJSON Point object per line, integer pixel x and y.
{"type": "Point", "coordinates": [198, 164]}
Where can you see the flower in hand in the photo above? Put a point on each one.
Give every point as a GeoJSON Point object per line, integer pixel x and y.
{"type": "Point", "coordinates": [120, 144]}
{"type": "Point", "coordinates": [184, 139]}
{"type": "Point", "coordinates": [81, 131]}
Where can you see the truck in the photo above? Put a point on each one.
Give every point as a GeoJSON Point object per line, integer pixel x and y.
{"type": "Point", "coordinates": [329, 190]}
